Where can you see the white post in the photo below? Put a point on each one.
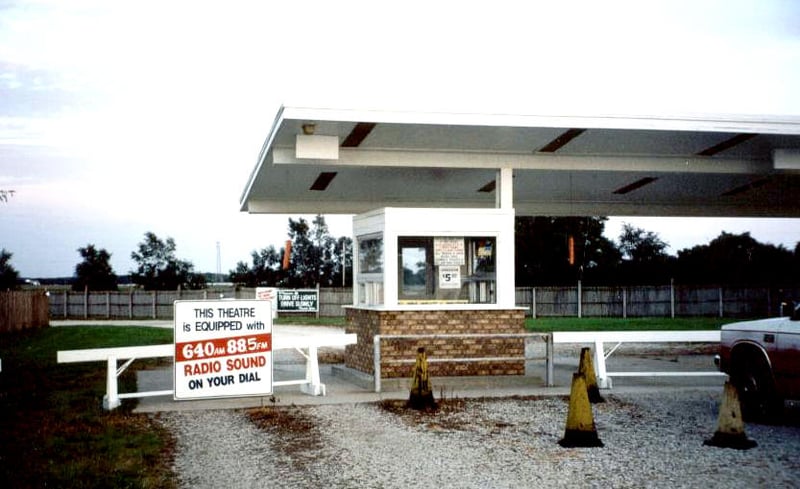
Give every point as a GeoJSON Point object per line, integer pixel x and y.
{"type": "Point", "coordinates": [533, 303]}
{"type": "Point", "coordinates": [504, 189]}
{"type": "Point", "coordinates": [603, 381]}
{"type": "Point", "coordinates": [580, 299]}
{"type": "Point", "coordinates": [313, 387]}
{"type": "Point", "coordinates": [376, 359]}
{"type": "Point", "coordinates": [550, 354]}
{"type": "Point", "coordinates": [111, 399]}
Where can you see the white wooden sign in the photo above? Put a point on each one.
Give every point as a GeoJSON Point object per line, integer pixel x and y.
{"type": "Point", "coordinates": [223, 348]}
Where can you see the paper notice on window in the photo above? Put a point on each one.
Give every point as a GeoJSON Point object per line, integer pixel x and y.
{"type": "Point", "coordinates": [449, 277]}
{"type": "Point", "coordinates": [448, 251]}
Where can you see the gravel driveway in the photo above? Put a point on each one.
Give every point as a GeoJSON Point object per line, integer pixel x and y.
{"type": "Point", "coordinates": [651, 440]}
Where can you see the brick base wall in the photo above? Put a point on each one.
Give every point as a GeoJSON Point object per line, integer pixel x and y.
{"type": "Point", "coordinates": [367, 323]}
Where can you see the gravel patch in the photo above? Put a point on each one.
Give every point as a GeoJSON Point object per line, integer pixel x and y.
{"type": "Point", "coordinates": [651, 440]}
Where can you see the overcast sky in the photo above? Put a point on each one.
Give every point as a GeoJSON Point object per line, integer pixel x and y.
{"type": "Point", "coordinates": [122, 118]}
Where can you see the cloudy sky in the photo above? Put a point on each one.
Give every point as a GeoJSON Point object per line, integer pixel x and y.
{"type": "Point", "coordinates": [122, 118]}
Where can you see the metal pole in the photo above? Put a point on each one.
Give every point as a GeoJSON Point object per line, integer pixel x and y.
{"type": "Point", "coordinates": [376, 359]}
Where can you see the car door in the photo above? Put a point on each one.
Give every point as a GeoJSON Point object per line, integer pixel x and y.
{"type": "Point", "coordinates": [786, 360]}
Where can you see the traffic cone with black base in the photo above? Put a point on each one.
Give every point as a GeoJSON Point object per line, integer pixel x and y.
{"type": "Point", "coordinates": [586, 367]}
{"type": "Point", "coordinates": [580, 430]}
{"type": "Point", "coordinates": [730, 429]}
{"type": "Point", "coordinates": [421, 396]}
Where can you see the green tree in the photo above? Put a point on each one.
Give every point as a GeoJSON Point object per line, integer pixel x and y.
{"type": "Point", "coordinates": [644, 257]}
{"type": "Point", "coordinates": [159, 269]}
{"type": "Point", "coordinates": [737, 259]}
{"type": "Point", "coordinates": [9, 277]}
{"type": "Point", "coordinates": [316, 257]}
{"type": "Point", "coordinates": [543, 250]}
{"type": "Point", "coordinates": [94, 272]}
{"type": "Point", "coordinates": [266, 269]}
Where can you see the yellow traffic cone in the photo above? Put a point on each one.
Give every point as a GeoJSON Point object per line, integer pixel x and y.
{"type": "Point", "coordinates": [586, 367]}
{"type": "Point", "coordinates": [730, 427]}
{"type": "Point", "coordinates": [421, 395]}
{"type": "Point", "coordinates": [580, 430]}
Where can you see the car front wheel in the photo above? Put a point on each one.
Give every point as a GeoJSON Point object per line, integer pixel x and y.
{"type": "Point", "coordinates": [753, 380]}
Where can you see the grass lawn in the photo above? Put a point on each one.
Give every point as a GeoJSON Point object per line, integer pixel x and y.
{"type": "Point", "coordinates": [53, 428]}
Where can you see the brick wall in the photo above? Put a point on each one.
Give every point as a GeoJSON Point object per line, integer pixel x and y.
{"type": "Point", "coordinates": [367, 323]}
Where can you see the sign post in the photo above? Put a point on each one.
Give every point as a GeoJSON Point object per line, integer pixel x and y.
{"type": "Point", "coordinates": [223, 349]}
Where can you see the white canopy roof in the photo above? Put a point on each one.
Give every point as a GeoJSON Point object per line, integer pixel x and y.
{"type": "Point", "coordinates": [351, 161]}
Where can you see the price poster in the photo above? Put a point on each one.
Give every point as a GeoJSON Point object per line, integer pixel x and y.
{"type": "Point", "coordinates": [223, 349]}
{"type": "Point", "coordinates": [449, 277]}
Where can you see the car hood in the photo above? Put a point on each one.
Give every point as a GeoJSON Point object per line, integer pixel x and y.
{"type": "Point", "coordinates": [771, 324]}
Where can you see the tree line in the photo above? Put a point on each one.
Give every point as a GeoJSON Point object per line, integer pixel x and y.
{"type": "Point", "coordinates": [549, 251]}
{"type": "Point", "coordinates": [563, 250]}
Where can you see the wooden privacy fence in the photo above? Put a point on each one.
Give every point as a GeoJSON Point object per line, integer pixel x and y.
{"type": "Point", "coordinates": [654, 301]}
{"type": "Point", "coordinates": [23, 310]}
{"type": "Point", "coordinates": [567, 301]}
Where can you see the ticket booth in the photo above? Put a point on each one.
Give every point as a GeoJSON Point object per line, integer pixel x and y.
{"type": "Point", "coordinates": [438, 278]}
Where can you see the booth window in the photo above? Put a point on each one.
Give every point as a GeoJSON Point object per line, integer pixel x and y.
{"type": "Point", "coordinates": [370, 269]}
{"type": "Point", "coordinates": [445, 269]}
{"type": "Point", "coordinates": [370, 255]}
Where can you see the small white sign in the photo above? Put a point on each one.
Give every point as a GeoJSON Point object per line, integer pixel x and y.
{"type": "Point", "coordinates": [449, 277]}
{"type": "Point", "coordinates": [448, 251]}
{"type": "Point", "coordinates": [223, 348]}
{"type": "Point", "coordinates": [269, 294]}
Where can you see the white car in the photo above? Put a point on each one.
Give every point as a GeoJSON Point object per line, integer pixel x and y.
{"type": "Point", "coordinates": [763, 360]}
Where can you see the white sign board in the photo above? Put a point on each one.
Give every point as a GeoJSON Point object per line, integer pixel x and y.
{"type": "Point", "coordinates": [449, 277]}
{"type": "Point", "coordinates": [269, 294]}
{"type": "Point", "coordinates": [448, 251]}
{"type": "Point", "coordinates": [223, 349]}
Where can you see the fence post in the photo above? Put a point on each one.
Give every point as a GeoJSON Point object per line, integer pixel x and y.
{"type": "Point", "coordinates": [86, 302]}
{"type": "Point", "coordinates": [624, 303]}
{"type": "Point", "coordinates": [130, 304]}
{"type": "Point", "coordinates": [672, 298]}
{"type": "Point", "coordinates": [721, 304]}
{"type": "Point", "coordinates": [108, 305]}
{"type": "Point", "coordinates": [66, 305]}
{"type": "Point", "coordinates": [580, 300]}
{"type": "Point", "coordinates": [155, 293]}
{"type": "Point", "coordinates": [533, 302]}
